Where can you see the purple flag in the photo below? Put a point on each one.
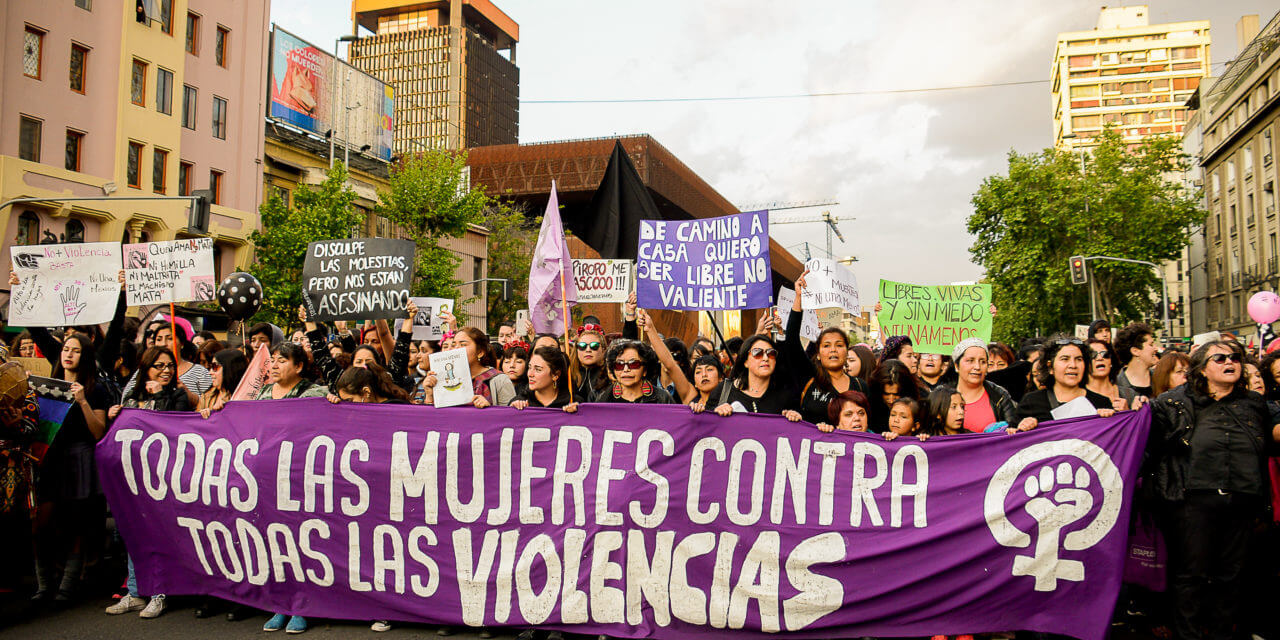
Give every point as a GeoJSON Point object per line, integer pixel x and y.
{"type": "Point", "coordinates": [636, 522]}
{"type": "Point", "coordinates": [550, 260]}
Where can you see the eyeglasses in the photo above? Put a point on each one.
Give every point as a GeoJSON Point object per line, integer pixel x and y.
{"type": "Point", "coordinates": [764, 353]}
{"type": "Point", "coordinates": [1100, 355]}
{"type": "Point", "coordinates": [628, 365]}
{"type": "Point", "coordinates": [162, 366]}
{"type": "Point", "coordinates": [1066, 341]}
{"type": "Point", "coordinates": [590, 346]}
{"type": "Point", "coordinates": [1219, 358]}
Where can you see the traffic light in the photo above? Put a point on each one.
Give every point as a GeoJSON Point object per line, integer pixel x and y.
{"type": "Point", "coordinates": [198, 219]}
{"type": "Point", "coordinates": [1078, 273]}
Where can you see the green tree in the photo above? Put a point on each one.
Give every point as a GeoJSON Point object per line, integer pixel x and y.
{"type": "Point", "coordinates": [431, 198]}
{"type": "Point", "coordinates": [512, 236]}
{"type": "Point", "coordinates": [323, 212]}
{"type": "Point", "coordinates": [1128, 202]}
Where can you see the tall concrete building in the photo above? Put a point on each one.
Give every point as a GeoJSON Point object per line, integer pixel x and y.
{"type": "Point", "coordinates": [452, 64]}
{"type": "Point", "coordinates": [1240, 118]}
{"type": "Point", "coordinates": [97, 99]}
{"type": "Point", "coordinates": [1136, 77]}
{"type": "Point", "coordinates": [1128, 73]}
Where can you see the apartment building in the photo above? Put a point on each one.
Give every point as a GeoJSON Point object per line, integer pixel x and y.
{"type": "Point", "coordinates": [452, 65]}
{"type": "Point", "coordinates": [118, 99]}
{"type": "Point", "coordinates": [1240, 117]}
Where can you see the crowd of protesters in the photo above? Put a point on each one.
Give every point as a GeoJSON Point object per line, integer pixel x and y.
{"type": "Point", "coordinates": [1215, 414]}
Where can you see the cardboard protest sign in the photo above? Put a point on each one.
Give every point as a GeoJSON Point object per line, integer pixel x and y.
{"type": "Point", "coordinates": [712, 264]}
{"type": "Point", "coordinates": [809, 327]}
{"type": "Point", "coordinates": [362, 278]}
{"type": "Point", "coordinates": [170, 271]}
{"type": "Point", "coordinates": [453, 378]}
{"type": "Point", "coordinates": [64, 284]}
{"type": "Point", "coordinates": [936, 318]}
{"type": "Point", "coordinates": [602, 280]}
{"type": "Point", "coordinates": [1082, 332]}
{"type": "Point", "coordinates": [830, 284]}
{"type": "Point", "coordinates": [742, 528]}
{"type": "Point", "coordinates": [429, 324]}
{"type": "Point", "coordinates": [255, 377]}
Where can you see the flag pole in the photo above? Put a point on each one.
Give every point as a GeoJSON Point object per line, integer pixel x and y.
{"type": "Point", "coordinates": [564, 306]}
{"type": "Point", "coordinates": [173, 337]}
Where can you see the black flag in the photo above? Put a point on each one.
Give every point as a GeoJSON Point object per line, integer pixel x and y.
{"type": "Point", "coordinates": [611, 224]}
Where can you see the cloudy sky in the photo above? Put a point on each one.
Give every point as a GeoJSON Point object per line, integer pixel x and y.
{"type": "Point", "coordinates": [903, 165]}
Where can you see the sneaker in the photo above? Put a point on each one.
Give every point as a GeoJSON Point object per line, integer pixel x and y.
{"type": "Point", "coordinates": [380, 626]}
{"type": "Point", "coordinates": [297, 624]}
{"type": "Point", "coordinates": [126, 605]}
{"type": "Point", "coordinates": [276, 622]}
{"type": "Point", "coordinates": [154, 608]}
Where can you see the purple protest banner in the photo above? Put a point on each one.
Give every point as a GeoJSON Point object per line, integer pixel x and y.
{"type": "Point", "coordinates": [706, 264]}
{"type": "Point", "coordinates": [656, 523]}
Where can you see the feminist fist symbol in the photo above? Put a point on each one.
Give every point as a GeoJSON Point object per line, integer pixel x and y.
{"type": "Point", "coordinates": [71, 305]}
{"type": "Point", "coordinates": [1071, 502]}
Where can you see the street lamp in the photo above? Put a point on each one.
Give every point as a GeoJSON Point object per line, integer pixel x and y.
{"type": "Point", "coordinates": [333, 91]}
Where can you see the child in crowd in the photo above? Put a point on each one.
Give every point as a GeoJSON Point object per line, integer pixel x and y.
{"type": "Point", "coordinates": [903, 420]}
{"type": "Point", "coordinates": [943, 413]}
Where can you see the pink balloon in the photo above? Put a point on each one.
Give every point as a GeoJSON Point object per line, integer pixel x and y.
{"type": "Point", "coordinates": [1264, 307]}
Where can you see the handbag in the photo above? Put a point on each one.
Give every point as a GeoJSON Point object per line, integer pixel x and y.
{"type": "Point", "coordinates": [1146, 563]}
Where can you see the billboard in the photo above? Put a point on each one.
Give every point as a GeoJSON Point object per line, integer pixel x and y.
{"type": "Point", "coordinates": [312, 90]}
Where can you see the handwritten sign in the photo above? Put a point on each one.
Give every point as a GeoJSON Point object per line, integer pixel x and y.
{"type": "Point", "coordinates": [830, 284]}
{"type": "Point", "coordinates": [429, 323]}
{"type": "Point", "coordinates": [172, 271]}
{"type": "Point", "coordinates": [365, 278]}
{"type": "Point", "coordinates": [809, 326]}
{"type": "Point", "coordinates": [712, 263]}
{"type": "Point", "coordinates": [602, 280]}
{"type": "Point", "coordinates": [453, 378]}
{"type": "Point", "coordinates": [64, 284]}
{"type": "Point", "coordinates": [936, 318]}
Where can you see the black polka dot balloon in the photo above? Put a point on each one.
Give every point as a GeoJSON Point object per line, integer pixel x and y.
{"type": "Point", "coordinates": [240, 295]}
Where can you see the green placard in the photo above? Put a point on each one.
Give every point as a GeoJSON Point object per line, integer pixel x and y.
{"type": "Point", "coordinates": [936, 318]}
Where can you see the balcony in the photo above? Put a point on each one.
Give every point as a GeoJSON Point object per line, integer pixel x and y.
{"type": "Point", "coordinates": [1219, 284]}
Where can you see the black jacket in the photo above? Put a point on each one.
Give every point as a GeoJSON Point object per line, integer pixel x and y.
{"type": "Point", "coordinates": [1198, 443]}
{"type": "Point", "coordinates": [1041, 403]}
{"type": "Point", "coordinates": [1002, 405]}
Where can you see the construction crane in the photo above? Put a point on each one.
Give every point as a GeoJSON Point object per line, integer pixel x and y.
{"type": "Point", "coordinates": [826, 218]}
{"type": "Point", "coordinates": [783, 206]}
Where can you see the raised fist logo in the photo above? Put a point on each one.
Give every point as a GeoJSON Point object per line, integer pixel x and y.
{"type": "Point", "coordinates": [1057, 496]}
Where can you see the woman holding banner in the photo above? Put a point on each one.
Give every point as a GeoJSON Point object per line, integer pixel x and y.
{"type": "Point", "coordinates": [548, 382]}
{"type": "Point", "coordinates": [1102, 376]}
{"type": "Point", "coordinates": [1062, 377]}
{"type": "Point", "coordinates": [985, 402]}
{"type": "Point", "coordinates": [633, 366]}
{"type": "Point", "coordinates": [492, 387]}
{"type": "Point", "coordinates": [891, 381]}
{"type": "Point", "coordinates": [825, 372]}
{"type": "Point", "coordinates": [227, 368]}
{"type": "Point", "coordinates": [587, 363]}
{"type": "Point", "coordinates": [756, 385]}
{"type": "Point", "coordinates": [284, 375]}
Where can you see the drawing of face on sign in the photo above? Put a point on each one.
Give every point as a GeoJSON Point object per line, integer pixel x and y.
{"type": "Point", "coordinates": [451, 381]}
{"type": "Point", "coordinates": [137, 259]}
{"type": "Point", "coordinates": [202, 287]}
{"type": "Point", "coordinates": [26, 261]}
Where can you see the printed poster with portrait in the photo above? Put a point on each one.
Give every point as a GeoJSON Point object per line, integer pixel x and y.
{"type": "Point", "coordinates": [453, 378]}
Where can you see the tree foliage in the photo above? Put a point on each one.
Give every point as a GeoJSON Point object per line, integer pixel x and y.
{"type": "Point", "coordinates": [430, 198]}
{"type": "Point", "coordinates": [1028, 223]}
{"type": "Point", "coordinates": [323, 212]}
{"type": "Point", "coordinates": [512, 236]}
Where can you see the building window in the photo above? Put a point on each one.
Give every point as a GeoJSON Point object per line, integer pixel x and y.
{"type": "Point", "coordinates": [87, 5]}
{"type": "Point", "coordinates": [220, 46]}
{"type": "Point", "coordinates": [159, 170]}
{"type": "Point", "coordinates": [32, 52]}
{"type": "Point", "coordinates": [189, 107]}
{"type": "Point", "coordinates": [79, 57]}
{"type": "Point", "coordinates": [282, 192]}
{"type": "Point", "coordinates": [28, 228]}
{"type": "Point", "coordinates": [219, 118]}
{"type": "Point", "coordinates": [164, 91]}
{"type": "Point", "coordinates": [134, 165]}
{"type": "Point", "coordinates": [184, 178]}
{"type": "Point", "coordinates": [138, 83]}
{"type": "Point", "coordinates": [166, 16]}
{"type": "Point", "coordinates": [75, 142]}
{"type": "Point", "coordinates": [74, 232]}
{"type": "Point", "coordinates": [29, 139]}
{"type": "Point", "coordinates": [193, 34]}
{"type": "Point", "coordinates": [215, 185]}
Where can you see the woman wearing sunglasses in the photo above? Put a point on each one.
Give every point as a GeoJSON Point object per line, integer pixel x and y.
{"type": "Point", "coordinates": [1102, 376]}
{"type": "Point", "coordinates": [1062, 378]}
{"type": "Point", "coordinates": [1208, 448]}
{"type": "Point", "coordinates": [633, 367]}
{"type": "Point", "coordinates": [158, 390]}
{"type": "Point", "coordinates": [589, 378]}
{"type": "Point", "coordinates": [824, 374]}
{"type": "Point", "coordinates": [757, 385]}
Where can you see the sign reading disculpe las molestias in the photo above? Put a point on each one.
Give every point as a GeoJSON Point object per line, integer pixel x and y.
{"type": "Point", "coordinates": [363, 279]}
{"type": "Point", "coordinates": [170, 271]}
{"type": "Point", "coordinates": [712, 263]}
{"type": "Point", "coordinates": [936, 318]}
{"type": "Point", "coordinates": [659, 523]}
